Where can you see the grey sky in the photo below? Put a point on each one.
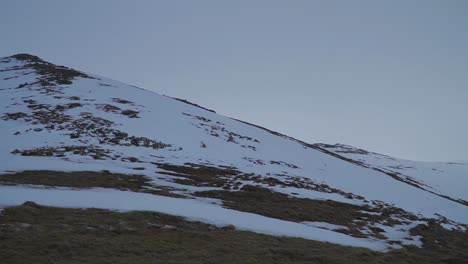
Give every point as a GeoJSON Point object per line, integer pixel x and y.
{"type": "Point", "coordinates": [388, 76]}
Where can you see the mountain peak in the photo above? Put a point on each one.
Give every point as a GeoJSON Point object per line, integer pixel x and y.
{"type": "Point", "coordinates": [49, 73]}
{"type": "Point", "coordinates": [27, 57]}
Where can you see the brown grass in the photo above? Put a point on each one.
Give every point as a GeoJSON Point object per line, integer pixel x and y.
{"type": "Point", "coordinates": [37, 234]}
{"type": "Point", "coordinates": [258, 200]}
{"type": "Point", "coordinates": [200, 175]}
{"type": "Point", "coordinates": [85, 179]}
{"type": "Point", "coordinates": [253, 199]}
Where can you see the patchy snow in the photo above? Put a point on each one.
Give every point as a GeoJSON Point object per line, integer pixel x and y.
{"type": "Point", "coordinates": [400, 233]}
{"type": "Point", "coordinates": [188, 208]}
{"type": "Point", "coordinates": [311, 194]}
{"type": "Point", "coordinates": [370, 213]}
{"type": "Point", "coordinates": [169, 121]}
{"type": "Point", "coordinates": [325, 225]}
{"type": "Point", "coordinates": [450, 226]}
{"type": "Point", "coordinates": [226, 142]}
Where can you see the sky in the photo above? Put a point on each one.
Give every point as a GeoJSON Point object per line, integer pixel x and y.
{"type": "Point", "coordinates": [387, 76]}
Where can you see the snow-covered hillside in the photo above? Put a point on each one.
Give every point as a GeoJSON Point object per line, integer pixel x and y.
{"type": "Point", "coordinates": [59, 119]}
{"type": "Point", "coordinates": [448, 179]}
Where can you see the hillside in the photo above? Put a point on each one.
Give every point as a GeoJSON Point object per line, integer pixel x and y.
{"type": "Point", "coordinates": [77, 140]}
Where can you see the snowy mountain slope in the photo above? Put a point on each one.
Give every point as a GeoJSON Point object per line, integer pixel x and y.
{"type": "Point", "coordinates": [448, 179]}
{"type": "Point", "coordinates": [60, 119]}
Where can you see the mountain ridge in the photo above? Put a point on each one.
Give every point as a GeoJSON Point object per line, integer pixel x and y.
{"type": "Point", "coordinates": [56, 118]}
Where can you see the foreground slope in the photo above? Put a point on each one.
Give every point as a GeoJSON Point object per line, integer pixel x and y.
{"type": "Point", "coordinates": [170, 155]}
{"type": "Point", "coordinates": [38, 234]}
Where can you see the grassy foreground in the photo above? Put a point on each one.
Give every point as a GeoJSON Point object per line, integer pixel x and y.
{"type": "Point", "coordinates": [37, 234]}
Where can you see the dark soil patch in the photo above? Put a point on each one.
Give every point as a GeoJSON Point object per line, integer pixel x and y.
{"type": "Point", "coordinates": [83, 179]}
{"type": "Point", "coordinates": [122, 101]}
{"type": "Point", "coordinates": [92, 151]}
{"type": "Point", "coordinates": [200, 175]}
{"type": "Point", "coordinates": [231, 178]}
{"type": "Point", "coordinates": [108, 108]}
{"type": "Point", "coordinates": [86, 179]}
{"type": "Point", "coordinates": [88, 125]}
{"type": "Point", "coordinates": [67, 106]}
{"type": "Point", "coordinates": [130, 113]}
{"type": "Point", "coordinates": [14, 116]}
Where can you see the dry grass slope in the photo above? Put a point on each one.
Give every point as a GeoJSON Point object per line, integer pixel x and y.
{"type": "Point", "coordinates": [36, 234]}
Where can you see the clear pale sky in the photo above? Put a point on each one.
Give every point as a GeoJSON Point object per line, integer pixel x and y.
{"type": "Point", "coordinates": [388, 76]}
